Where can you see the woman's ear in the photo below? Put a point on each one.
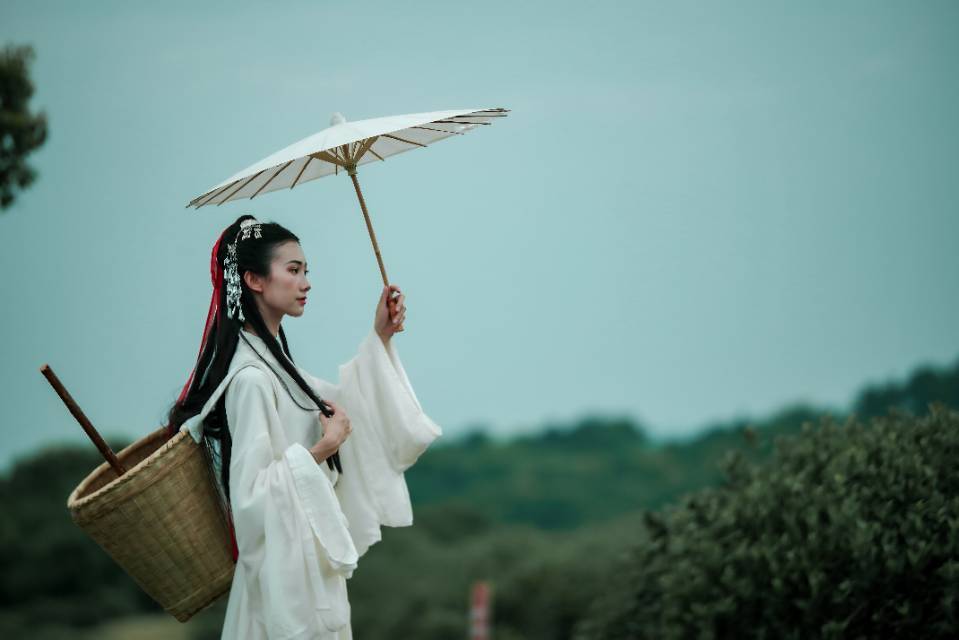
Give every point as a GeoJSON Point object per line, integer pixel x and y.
{"type": "Point", "coordinates": [253, 281]}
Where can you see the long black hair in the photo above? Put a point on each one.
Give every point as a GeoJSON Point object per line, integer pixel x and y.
{"type": "Point", "coordinates": [254, 254]}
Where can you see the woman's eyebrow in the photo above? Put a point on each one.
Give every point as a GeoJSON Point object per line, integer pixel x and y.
{"type": "Point", "coordinates": [296, 261]}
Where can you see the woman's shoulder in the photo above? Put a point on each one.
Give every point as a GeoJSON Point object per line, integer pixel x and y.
{"type": "Point", "coordinates": [249, 383]}
{"type": "Point", "coordinates": [246, 369]}
{"type": "Point", "coordinates": [250, 375]}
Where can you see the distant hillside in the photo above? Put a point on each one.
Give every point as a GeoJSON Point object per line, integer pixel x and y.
{"type": "Point", "coordinates": [593, 469]}
{"type": "Point", "coordinates": [488, 502]}
{"type": "Point", "coordinates": [924, 386]}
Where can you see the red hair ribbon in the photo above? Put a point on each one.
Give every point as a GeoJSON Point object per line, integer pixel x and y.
{"type": "Point", "coordinates": [216, 276]}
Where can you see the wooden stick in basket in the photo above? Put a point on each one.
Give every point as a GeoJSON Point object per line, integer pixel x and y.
{"type": "Point", "coordinates": [68, 400]}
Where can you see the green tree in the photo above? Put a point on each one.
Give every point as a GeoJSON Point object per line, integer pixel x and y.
{"type": "Point", "coordinates": [849, 531]}
{"type": "Point", "coordinates": [21, 131]}
{"type": "Point", "coordinates": [927, 384]}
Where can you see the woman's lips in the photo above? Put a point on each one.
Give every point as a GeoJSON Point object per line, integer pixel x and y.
{"type": "Point", "coordinates": [301, 300]}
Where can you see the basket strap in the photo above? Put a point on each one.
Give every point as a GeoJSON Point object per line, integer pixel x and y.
{"type": "Point", "coordinates": [195, 423]}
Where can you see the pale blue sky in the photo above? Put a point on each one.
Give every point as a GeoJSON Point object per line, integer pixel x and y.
{"type": "Point", "coordinates": [695, 211]}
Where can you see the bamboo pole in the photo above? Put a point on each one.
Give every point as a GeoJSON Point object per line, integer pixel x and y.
{"type": "Point", "coordinates": [376, 247]}
{"type": "Point", "coordinates": [74, 408]}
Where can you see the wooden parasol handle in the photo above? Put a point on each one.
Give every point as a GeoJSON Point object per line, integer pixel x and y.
{"type": "Point", "coordinates": [68, 400]}
{"type": "Point", "coordinates": [376, 247]}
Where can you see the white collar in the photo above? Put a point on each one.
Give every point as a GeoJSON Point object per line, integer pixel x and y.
{"type": "Point", "coordinates": [260, 347]}
{"type": "Point", "coordinates": [254, 339]}
{"type": "Point", "coordinates": [254, 335]}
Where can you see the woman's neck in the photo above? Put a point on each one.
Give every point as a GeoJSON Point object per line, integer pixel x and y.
{"type": "Point", "coordinates": [249, 329]}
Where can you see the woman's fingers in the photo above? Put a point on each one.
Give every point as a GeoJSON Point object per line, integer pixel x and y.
{"type": "Point", "coordinates": [395, 301]}
{"type": "Point", "coordinates": [338, 411]}
{"type": "Point", "coordinates": [399, 309]}
{"type": "Point", "coordinates": [392, 297]}
{"type": "Point", "coordinates": [334, 406]}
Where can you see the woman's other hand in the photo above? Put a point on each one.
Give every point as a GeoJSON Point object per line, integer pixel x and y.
{"type": "Point", "coordinates": [336, 429]}
{"type": "Point", "coordinates": [390, 313]}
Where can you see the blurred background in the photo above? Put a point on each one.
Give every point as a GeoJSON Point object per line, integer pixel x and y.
{"type": "Point", "coordinates": [701, 226]}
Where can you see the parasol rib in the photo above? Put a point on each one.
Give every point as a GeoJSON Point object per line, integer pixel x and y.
{"type": "Point", "coordinates": [309, 159]}
{"type": "Point", "coordinates": [389, 135]}
{"type": "Point", "coordinates": [363, 148]}
{"type": "Point", "coordinates": [213, 194]}
{"type": "Point", "coordinates": [457, 133]}
{"type": "Point", "coordinates": [263, 186]}
{"type": "Point", "coordinates": [460, 121]}
{"type": "Point", "coordinates": [326, 155]}
{"type": "Point", "coordinates": [252, 178]}
{"type": "Point", "coordinates": [376, 154]}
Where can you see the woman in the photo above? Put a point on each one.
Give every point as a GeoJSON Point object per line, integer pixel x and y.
{"type": "Point", "coordinates": [310, 470]}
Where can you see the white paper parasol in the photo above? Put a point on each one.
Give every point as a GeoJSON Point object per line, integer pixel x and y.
{"type": "Point", "coordinates": [344, 146]}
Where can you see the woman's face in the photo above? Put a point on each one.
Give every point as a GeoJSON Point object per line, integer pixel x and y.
{"type": "Point", "coordinates": [284, 293]}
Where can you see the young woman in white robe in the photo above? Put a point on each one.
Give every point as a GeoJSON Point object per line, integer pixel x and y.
{"type": "Point", "coordinates": [308, 492]}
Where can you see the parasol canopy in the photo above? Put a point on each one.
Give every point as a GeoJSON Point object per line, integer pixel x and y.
{"type": "Point", "coordinates": [344, 146]}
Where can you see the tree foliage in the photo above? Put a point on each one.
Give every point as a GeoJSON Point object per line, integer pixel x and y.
{"type": "Point", "coordinates": [925, 385]}
{"type": "Point", "coordinates": [21, 131]}
{"type": "Point", "coordinates": [849, 531]}
{"type": "Point", "coordinates": [54, 576]}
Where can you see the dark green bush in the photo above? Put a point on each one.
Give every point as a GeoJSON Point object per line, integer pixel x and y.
{"type": "Point", "coordinates": [849, 531]}
{"type": "Point", "coordinates": [53, 573]}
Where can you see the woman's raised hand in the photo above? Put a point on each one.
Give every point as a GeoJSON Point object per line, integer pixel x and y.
{"type": "Point", "coordinates": [390, 312]}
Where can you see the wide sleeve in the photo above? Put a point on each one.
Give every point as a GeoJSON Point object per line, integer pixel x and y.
{"type": "Point", "coordinates": [291, 534]}
{"type": "Point", "coordinates": [390, 432]}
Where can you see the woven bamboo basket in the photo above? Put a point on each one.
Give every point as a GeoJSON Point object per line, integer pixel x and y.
{"type": "Point", "coordinates": [162, 521]}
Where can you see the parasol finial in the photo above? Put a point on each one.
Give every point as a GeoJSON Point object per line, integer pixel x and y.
{"type": "Point", "coordinates": [337, 118]}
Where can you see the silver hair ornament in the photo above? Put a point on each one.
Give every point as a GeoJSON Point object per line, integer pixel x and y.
{"type": "Point", "coordinates": [231, 275]}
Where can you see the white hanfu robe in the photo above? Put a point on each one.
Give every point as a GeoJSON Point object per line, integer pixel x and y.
{"type": "Point", "coordinates": [301, 526]}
